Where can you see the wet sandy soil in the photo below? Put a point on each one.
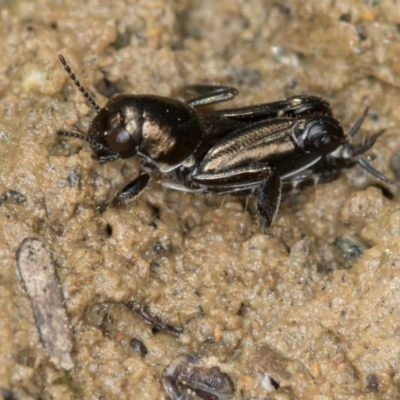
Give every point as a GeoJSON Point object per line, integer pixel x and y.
{"type": "Point", "coordinates": [175, 274]}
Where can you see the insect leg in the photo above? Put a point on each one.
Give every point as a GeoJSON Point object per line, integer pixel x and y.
{"type": "Point", "coordinates": [326, 170]}
{"type": "Point", "coordinates": [244, 180]}
{"type": "Point", "coordinates": [294, 107]}
{"type": "Point", "coordinates": [243, 176]}
{"type": "Point", "coordinates": [268, 201]}
{"type": "Point", "coordinates": [130, 191]}
{"type": "Point", "coordinates": [210, 94]}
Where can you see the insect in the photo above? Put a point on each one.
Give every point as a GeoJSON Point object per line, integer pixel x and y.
{"type": "Point", "coordinates": [264, 150]}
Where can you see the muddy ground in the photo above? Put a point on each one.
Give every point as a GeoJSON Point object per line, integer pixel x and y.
{"type": "Point", "coordinates": [322, 322]}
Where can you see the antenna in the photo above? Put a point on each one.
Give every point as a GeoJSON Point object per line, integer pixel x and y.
{"type": "Point", "coordinates": [78, 84]}
{"type": "Point", "coordinates": [96, 146]}
{"type": "Point", "coordinates": [76, 135]}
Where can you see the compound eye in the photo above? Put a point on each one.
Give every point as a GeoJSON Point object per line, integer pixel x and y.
{"type": "Point", "coordinates": [120, 141]}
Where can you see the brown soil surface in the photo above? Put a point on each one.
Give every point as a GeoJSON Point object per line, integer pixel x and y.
{"type": "Point", "coordinates": [324, 321]}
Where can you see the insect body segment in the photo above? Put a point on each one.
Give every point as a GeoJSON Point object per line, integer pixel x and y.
{"type": "Point", "coordinates": [160, 129]}
{"type": "Point", "coordinates": [264, 150]}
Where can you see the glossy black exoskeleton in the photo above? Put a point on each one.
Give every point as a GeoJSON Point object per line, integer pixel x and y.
{"type": "Point", "coordinates": [264, 150]}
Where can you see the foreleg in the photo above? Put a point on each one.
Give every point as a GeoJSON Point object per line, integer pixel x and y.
{"type": "Point", "coordinates": [130, 191]}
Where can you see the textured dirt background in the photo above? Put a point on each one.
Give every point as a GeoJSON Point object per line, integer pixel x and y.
{"type": "Point", "coordinates": [324, 321]}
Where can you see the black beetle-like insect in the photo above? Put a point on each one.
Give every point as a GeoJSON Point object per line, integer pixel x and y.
{"type": "Point", "coordinates": [264, 150]}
